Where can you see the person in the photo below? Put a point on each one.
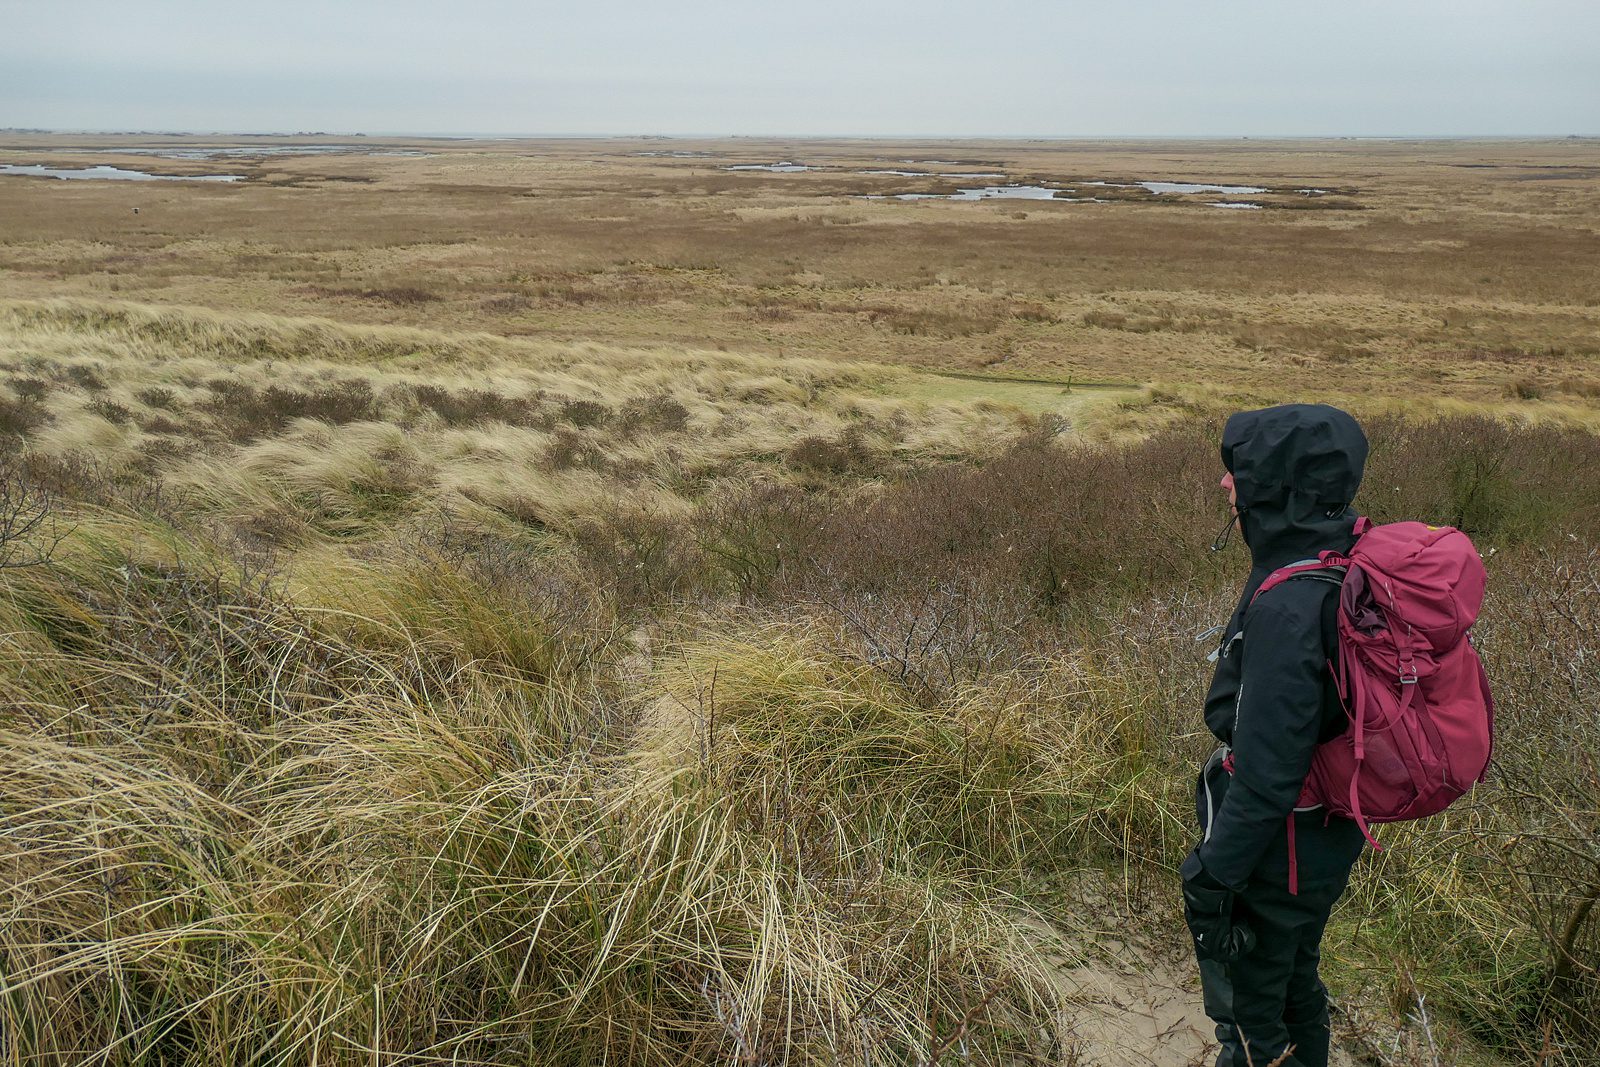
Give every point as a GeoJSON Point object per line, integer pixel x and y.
{"type": "Point", "coordinates": [1260, 885]}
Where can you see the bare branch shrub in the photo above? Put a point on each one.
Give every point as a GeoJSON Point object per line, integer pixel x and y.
{"type": "Point", "coordinates": [29, 530]}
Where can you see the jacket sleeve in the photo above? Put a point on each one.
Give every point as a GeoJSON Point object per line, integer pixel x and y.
{"type": "Point", "coordinates": [1279, 715]}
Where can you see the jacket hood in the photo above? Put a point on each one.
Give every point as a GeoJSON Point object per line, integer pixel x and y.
{"type": "Point", "coordinates": [1296, 468]}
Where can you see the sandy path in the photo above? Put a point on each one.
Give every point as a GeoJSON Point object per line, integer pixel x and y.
{"type": "Point", "coordinates": [1134, 1009]}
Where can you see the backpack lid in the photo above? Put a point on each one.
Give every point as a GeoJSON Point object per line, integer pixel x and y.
{"type": "Point", "coordinates": [1428, 578]}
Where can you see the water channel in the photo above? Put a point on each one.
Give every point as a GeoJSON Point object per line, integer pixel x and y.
{"type": "Point", "coordinates": [106, 173]}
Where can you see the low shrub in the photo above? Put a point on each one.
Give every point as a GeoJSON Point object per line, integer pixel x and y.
{"type": "Point", "coordinates": [31, 390]}
{"type": "Point", "coordinates": [246, 413]}
{"type": "Point", "coordinates": [585, 414]}
{"type": "Point", "coordinates": [157, 396]}
{"type": "Point", "coordinates": [641, 556]}
{"type": "Point", "coordinates": [110, 410]}
{"type": "Point", "coordinates": [848, 453]}
{"type": "Point", "coordinates": [655, 414]}
{"type": "Point", "coordinates": [468, 407]}
{"type": "Point", "coordinates": [570, 448]}
{"type": "Point", "coordinates": [19, 418]}
{"type": "Point", "coordinates": [85, 377]}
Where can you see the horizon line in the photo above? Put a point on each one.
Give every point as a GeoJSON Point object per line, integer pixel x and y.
{"type": "Point", "coordinates": [597, 135]}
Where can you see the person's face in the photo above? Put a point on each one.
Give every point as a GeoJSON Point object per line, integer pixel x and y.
{"type": "Point", "coordinates": [1233, 495]}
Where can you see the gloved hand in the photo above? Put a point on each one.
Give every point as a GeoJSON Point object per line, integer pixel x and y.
{"type": "Point", "coordinates": [1208, 909]}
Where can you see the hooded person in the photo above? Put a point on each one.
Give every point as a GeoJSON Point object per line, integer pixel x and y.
{"type": "Point", "coordinates": [1259, 887]}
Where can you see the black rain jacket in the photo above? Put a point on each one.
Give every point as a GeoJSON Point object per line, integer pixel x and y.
{"type": "Point", "coordinates": [1295, 468]}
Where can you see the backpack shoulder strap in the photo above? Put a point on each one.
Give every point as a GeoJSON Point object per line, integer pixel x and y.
{"type": "Point", "coordinates": [1333, 711]}
{"type": "Point", "coordinates": [1330, 627]}
{"type": "Point", "coordinates": [1329, 570]}
{"type": "Point", "coordinates": [1311, 568]}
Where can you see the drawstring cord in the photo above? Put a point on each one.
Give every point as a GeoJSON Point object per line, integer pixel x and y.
{"type": "Point", "coordinates": [1224, 535]}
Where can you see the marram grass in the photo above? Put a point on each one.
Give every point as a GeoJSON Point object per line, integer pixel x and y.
{"type": "Point", "coordinates": [235, 831]}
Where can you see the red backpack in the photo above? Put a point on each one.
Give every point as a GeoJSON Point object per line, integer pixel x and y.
{"type": "Point", "coordinates": [1421, 717]}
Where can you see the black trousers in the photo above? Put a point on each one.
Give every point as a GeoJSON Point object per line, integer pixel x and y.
{"type": "Point", "coordinates": [1274, 998]}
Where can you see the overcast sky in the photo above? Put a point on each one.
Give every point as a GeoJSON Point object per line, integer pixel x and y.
{"type": "Point", "coordinates": [1005, 67]}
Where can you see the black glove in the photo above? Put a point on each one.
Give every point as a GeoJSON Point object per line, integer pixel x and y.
{"type": "Point", "coordinates": [1208, 909]}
